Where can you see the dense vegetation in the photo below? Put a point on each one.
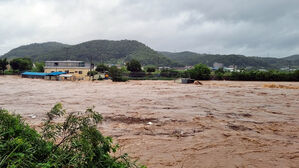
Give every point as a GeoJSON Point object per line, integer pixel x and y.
{"type": "Point", "coordinates": [38, 67]}
{"type": "Point", "coordinates": [199, 72]}
{"type": "Point", "coordinates": [102, 68]}
{"type": "Point", "coordinates": [21, 64]}
{"type": "Point", "coordinates": [255, 75]}
{"type": "Point", "coordinates": [133, 66]}
{"type": "Point", "coordinates": [3, 65]}
{"type": "Point", "coordinates": [74, 143]}
{"type": "Point", "coordinates": [117, 75]}
{"type": "Point", "coordinates": [97, 51]}
{"type": "Point", "coordinates": [190, 58]}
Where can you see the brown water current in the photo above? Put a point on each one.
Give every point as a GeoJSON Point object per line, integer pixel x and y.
{"type": "Point", "coordinates": [167, 124]}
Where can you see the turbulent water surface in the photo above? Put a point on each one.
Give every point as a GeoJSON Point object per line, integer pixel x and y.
{"type": "Point", "coordinates": [166, 124]}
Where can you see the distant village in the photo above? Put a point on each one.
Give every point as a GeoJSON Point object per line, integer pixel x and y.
{"type": "Point", "coordinates": [78, 70]}
{"type": "Point", "coordinates": [133, 70]}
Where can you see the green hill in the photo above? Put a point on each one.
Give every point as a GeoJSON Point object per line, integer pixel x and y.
{"type": "Point", "coordinates": [105, 51]}
{"type": "Point", "coordinates": [191, 58]}
{"type": "Point", "coordinates": [118, 52]}
{"type": "Point", "coordinates": [34, 50]}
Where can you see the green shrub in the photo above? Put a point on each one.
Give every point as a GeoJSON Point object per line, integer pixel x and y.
{"type": "Point", "coordinates": [150, 69]}
{"type": "Point", "coordinates": [92, 73]}
{"type": "Point", "coordinates": [76, 142]}
{"type": "Point", "coordinates": [11, 72]}
{"type": "Point", "coordinates": [39, 67]}
{"type": "Point", "coordinates": [102, 68]}
{"type": "Point", "coordinates": [170, 73]}
{"type": "Point", "coordinates": [116, 74]}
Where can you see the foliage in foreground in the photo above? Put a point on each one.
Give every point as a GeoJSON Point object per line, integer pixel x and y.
{"type": "Point", "coordinates": [74, 143]}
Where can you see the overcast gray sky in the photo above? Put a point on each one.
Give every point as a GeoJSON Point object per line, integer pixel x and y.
{"type": "Point", "coordinates": [248, 27]}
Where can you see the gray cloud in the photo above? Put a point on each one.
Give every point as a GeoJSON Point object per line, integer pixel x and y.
{"type": "Point", "coordinates": [255, 27]}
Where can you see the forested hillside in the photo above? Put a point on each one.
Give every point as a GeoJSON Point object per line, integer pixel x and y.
{"type": "Point", "coordinates": [119, 52]}
{"type": "Point", "coordinates": [191, 58]}
{"type": "Point", "coordinates": [105, 51]}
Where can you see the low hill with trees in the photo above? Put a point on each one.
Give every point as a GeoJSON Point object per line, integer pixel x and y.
{"type": "Point", "coordinates": [120, 52]}
{"type": "Point", "coordinates": [241, 61]}
{"type": "Point", "coordinates": [98, 51]}
{"type": "Point", "coordinates": [34, 51]}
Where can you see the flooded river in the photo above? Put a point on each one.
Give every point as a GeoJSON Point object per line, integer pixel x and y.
{"type": "Point", "coordinates": [167, 124]}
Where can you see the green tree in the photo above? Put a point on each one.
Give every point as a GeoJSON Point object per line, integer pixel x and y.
{"type": "Point", "coordinates": [3, 65]}
{"type": "Point", "coordinates": [102, 68]}
{"type": "Point", "coordinates": [21, 64]}
{"type": "Point", "coordinates": [66, 140]}
{"type": "Point", "coordinates": [200, 72]}
{"type": "Point", "coordinates": [150, 69]}
{"type": "Point", "coordinates": [116, 74]}
{"type": "Point", "coordinates": [134, 66]}
{"type": "Point", "coordinates": [39, 67]}
{"type": "Point", "coordinates": [92, 73]}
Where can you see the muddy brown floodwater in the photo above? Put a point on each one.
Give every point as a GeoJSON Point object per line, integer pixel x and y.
{"type": "Point", "coordinates": [166, 124]}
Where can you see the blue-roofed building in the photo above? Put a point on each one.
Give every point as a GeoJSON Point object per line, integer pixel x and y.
{"type": "Point", "coordinates": [55, 73]}
{"type": "Point", "coordinates": [34, 75]}
{"type": "Point", "coordinates": [40, 75]}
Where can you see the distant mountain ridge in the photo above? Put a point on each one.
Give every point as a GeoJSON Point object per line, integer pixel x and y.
{"type": "Point", "coordinates": [191, 58]}
{"type": "Point", "coordinates": [106, 51]}
{"type": "Point", "coordinates": [118, 52]}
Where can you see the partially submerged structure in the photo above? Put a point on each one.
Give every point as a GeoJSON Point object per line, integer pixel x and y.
{"type": "Point", "coordinates": [75, 70]}
{"type": "Point", "coordinates": [34, 75]}
{"type": "Point", "coordinates": [39, 75]}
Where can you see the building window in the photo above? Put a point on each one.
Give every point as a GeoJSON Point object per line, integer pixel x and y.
{"type": "Point", "coordinates": [66, 71]}
{"type": "Point", "coordinates": [55, 63]}
{"type": "Point", "coordinates": [80, 72]}
{"type": "Point", "coordinates": [76, 71]}
{"type": "Point", "coordinates": [52, 71]}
